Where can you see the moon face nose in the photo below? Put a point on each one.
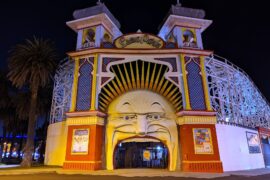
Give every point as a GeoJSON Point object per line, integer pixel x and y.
{"type": "Point", "coordinates": [141, 125]}
{"type": "Point", "coordinates": [141, 133]}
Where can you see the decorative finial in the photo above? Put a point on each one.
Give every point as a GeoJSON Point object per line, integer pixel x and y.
{"type": "Point", "coordinates": [178, 3]}
{"type": "Point", "coordinates": [99, 2]}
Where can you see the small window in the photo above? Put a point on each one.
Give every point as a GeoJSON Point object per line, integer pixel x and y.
{"type": "Point", "coordinates": [189, 39]}
{"type": "Point", "coordinates": [88, 38]}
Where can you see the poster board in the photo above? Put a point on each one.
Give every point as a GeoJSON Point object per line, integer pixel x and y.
{"type": "Point", "coordinates": [80, 141]}
{"type": "Point", "coordinates": [253, 141]}
{"type": "Point", "coordinates": [202, 141]}
{"type": "Point", "coordinates": [146, 155]}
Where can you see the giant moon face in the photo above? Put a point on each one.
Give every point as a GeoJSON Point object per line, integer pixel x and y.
{"type": "Point", "coordinates": [140, 116]}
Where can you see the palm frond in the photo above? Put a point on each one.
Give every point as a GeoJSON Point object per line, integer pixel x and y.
{"type": "Point", "coordinates": [32, 63]}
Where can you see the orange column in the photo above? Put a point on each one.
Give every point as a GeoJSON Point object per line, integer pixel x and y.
{"type": "Point", "coordinates": [199, 162]}
{"type": "Point", "coordinates": [90, 160]}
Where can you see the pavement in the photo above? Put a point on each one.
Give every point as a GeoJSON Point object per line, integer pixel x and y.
{"type": "Point", "coordinates": [11, 170]}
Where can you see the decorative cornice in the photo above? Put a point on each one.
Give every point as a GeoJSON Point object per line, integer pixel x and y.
{"type": "Point", "coordinates": [93, 20]}
{"type": "Point", "coordinates": [86, 114]}
{"type": "Point", "coordinates": [87, 52]}
{"type": "Point", "coordinates": [100, 8]}
{"type": "Point", "coordinates": [196, 117]}
{"type": "Point", "coordinates": [196, 113]}
{"type": "Point", "coordinates": [175, 20]}
{"type": "Point", "coordinates": [196, 120]}
{"type": "Point", "coordinates": [94, 120]}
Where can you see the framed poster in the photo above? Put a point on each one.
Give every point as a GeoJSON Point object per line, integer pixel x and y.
{"type": "Point", "coordinates": [253, 142]}
{"type": "Point", "coordinates": [146, 155]}
{"type": "Point", "coordinates": [202, 141]}
{"type": "Point", "coordinates": [80, 141]}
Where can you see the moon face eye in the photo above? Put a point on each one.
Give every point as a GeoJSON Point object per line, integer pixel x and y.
{"type": "Point", "coordinates": [153, 116]}
{"type": "Point", "coordinates": [128, 117]}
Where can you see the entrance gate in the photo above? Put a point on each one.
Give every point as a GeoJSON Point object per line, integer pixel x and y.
{"type": "Point", "coordinates": [141, 155]}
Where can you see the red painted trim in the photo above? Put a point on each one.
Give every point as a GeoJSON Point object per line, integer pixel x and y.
{"type": "Point", "coordinates": [264, 131]}
{"type": "Point", "coordinates": [189, 159]}
{"type": "Point", "coordinates": [86, 113]}
{"type": "Point", "coordinates": [94, 146]}
{"type": "Point", "coordinates": [82, 165]}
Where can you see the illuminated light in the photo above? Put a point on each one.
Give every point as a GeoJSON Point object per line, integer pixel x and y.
{"type": "Point", "coordinates": [36, 155]}
{"type": "Point", "coordinates": [14, 154]}
{"type": "Point", "coordinates": [120, 145]}
{"type": "Point", "coordinates": [233, 94]}
{"type": "Point", "coordinates": [159, 148]}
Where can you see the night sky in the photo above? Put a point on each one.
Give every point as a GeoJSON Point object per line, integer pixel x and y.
{"type": "Point", "coordinates": [240, 31]}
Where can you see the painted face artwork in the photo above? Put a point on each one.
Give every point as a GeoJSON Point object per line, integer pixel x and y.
{"type": "Point", "coordinates": [141, 116]}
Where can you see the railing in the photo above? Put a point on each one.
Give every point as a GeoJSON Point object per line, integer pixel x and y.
{"type": "Point", "coordinates": [61, 99]}
{"type": "Point", "coordinates": [234, 95]}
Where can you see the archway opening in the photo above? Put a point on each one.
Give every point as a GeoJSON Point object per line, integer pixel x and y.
{"type": "Point", "coordinates": [138, 121]}
{"type": "Point", "coordinates": [132, 154]}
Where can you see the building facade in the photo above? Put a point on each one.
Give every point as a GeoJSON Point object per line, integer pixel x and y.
{"type": "Point", "coordinates": [140, 100]}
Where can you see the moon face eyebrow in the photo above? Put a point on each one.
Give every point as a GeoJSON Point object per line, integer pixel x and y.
{"type": "Point", "coordinates": [126, 103]}
{"type": "Point", "coordinates": [154, 103]}
{"type": "Point", "coordinates": [158, 105]}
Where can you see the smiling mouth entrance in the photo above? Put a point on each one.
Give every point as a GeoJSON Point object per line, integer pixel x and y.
{"type": "Point", "coordinates": [141, 153]}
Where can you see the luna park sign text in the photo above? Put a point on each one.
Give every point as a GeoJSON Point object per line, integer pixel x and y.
{"type": "Point", "coordinates": [139, 40]}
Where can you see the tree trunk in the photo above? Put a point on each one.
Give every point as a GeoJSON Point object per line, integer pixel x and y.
{"type": "Point", "coordinates": [29, 147]}
{"type": "Point", "coordinates": [1, 150]}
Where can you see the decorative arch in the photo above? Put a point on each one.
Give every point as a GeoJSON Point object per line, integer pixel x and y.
{"type": "Point", "coordinates": [137, 75]}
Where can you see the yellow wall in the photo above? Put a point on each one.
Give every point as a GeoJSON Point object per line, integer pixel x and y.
{"type": "Point", "coordinates": [56, 144]}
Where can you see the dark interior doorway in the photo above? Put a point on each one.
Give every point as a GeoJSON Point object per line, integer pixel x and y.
{"type": "Point", "coordinates": [265, 140]}
{"type": "Point", "coordinates": [141, 155]}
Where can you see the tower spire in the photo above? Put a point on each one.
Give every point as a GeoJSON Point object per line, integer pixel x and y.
{"type": "Point", "coordinates": [98, 2]}
{"type": "Point", "coordinates": [178, 3]}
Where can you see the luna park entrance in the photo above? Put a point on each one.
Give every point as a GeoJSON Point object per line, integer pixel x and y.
{"type": "Point", "coordinates": [141, 155]}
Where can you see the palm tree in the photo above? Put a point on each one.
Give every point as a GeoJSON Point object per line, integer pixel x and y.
{"type": "Point", "coordinates": [11, 122]}
{"type": "Point", "coordinates": [32, 64]}
{"type": "Point", "coordinates": [20, 101]}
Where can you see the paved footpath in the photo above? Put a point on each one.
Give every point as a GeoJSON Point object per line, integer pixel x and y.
{"type": "Point", "coordinates": [51, 173]}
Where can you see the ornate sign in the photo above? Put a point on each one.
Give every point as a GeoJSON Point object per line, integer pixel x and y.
{"type": "Point", "coordinates": [202, 141]}
{"type": "Point", "coordinates": [139, 40]}
{"type": "Point", "coordinates": [80, 141]}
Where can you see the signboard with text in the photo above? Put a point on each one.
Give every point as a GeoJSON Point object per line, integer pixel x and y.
{"type": "Point", "coordinates": [139, 41]}
{"type": "Point", "coordinates": [80, 141]}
